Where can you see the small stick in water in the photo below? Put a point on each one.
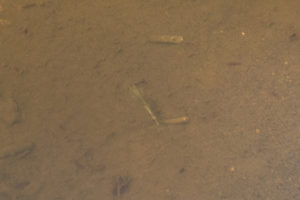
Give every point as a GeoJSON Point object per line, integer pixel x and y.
{"type": "Point", "coordinates": [167, 39]}
{"type": "Point", "coordinates": [138, 94]}
{"type": "Point", "coordinates": [179, 120]}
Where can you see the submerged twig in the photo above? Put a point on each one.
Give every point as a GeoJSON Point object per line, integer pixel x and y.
{"type": "Point", "coordinates": [138, 94]}
{"type": "Point", "coordinates": [179, 120]}
{"type": "Point", "coordinates": [167, 39]}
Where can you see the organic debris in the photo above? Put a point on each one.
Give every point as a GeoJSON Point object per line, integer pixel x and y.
{"type": "Point", "coordinates": [121, 186]}
{"type": "Point", "coordinates": [167, 39]}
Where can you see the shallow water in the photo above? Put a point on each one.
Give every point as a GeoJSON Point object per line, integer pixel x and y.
{"type": "Point", "coordinates": [71, 128]}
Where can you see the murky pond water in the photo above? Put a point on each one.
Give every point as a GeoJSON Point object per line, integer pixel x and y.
{"type": "Point", "coordinates": [148, 100]}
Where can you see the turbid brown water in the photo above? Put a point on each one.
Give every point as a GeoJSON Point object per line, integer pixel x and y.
{"type": "Point", "coordinates": [70, 128]}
